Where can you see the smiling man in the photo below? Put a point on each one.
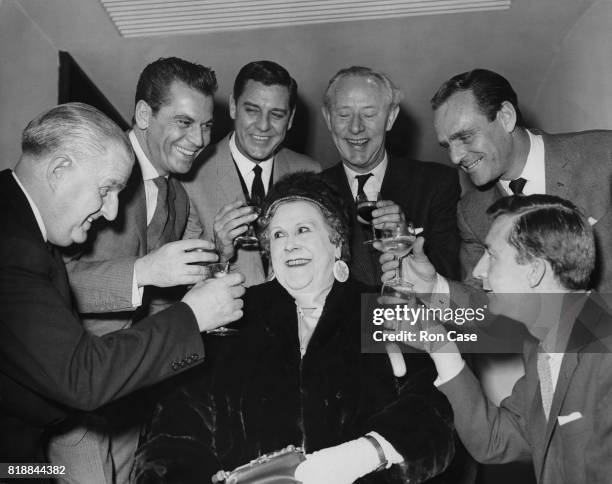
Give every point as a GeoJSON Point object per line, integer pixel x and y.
{"type": "Point", "coordinates": [540, 253]}
{"type": "Point", "coordinates": [359, 106]}
{"type": "Point", "coordinates": [138, 264]}
{"type": "Point", "coordinates": [74, 163]}
{"type": "Point", "coordinates": [245, 163]}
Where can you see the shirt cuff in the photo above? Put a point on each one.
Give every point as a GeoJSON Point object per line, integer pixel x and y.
{"type": "Point", "coordinates": [137, 292]}
{"type": "Point", "coordinates": [392, 455]}
{"type": "Point", "coordinates": [449, 365]}
{"type": "Point", "coordinates": [440, 296]}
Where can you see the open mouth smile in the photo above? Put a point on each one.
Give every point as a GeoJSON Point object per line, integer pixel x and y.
{"type": "Point", "coordinates": [470, 166]}
{"type": "Point", "coordinates": [184, 151]}
{"type": "Point", "coordinates": [297, 262]}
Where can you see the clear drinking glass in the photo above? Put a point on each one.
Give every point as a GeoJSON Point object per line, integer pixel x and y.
{"type": "Point", "coordinates": [249, 240]}
{"type": "Point", "coordinates": [365, 205]}
{"type": "Point", "coordinates": [398, 241]}
{"type": "Point", "coordinates": [218, 269]}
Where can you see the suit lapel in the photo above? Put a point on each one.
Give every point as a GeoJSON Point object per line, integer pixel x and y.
{"type": "Point", "coordinates": [229, 187]}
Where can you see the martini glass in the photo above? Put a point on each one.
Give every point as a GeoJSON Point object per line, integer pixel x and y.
{"type": "Point", "coordinates": [249, 240]}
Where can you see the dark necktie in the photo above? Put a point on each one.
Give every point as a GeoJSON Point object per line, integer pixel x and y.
{"type": "Point", "coordinates": [361, 181]}
{"type": "Point", "coordinates": [257, 188]}
{"type": "Point", "coordinates": [161, 226]}
{"type": "Point", "coordinates": [517, 186]}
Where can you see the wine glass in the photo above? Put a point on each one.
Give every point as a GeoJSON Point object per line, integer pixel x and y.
{"type": "Point", "coordinates": [398, 241]}
{"type": "Point", "coordinates": [249, 240]}
{"type": "Point", "coordinates": [365, 206]}
{"type": "Point", "coordinates": [218, 269]}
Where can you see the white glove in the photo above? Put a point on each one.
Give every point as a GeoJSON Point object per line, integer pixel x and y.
{"type": "Point", "coordinates": [342, 464]}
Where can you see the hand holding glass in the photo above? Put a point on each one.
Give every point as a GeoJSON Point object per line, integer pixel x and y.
{"type": "Point", "coordinates": [249, 240]}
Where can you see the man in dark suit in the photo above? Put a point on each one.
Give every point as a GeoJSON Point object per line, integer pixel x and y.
{"type": "Point", "coordinates": [138, 264]}
{"type": "Point", "coordinates": [74, 163]}
{"type": "Point", "coordinates": [245, 163]}
{"type": "Point", "coordinates": [540, 253]}
{"type": "Point", "coordinates": [360, 106]}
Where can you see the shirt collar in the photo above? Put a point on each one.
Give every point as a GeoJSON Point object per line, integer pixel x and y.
{"type": "Point", "coordinates": [245, 166]}
{"type": "Point", "coordinates": [37, 215]}
{"type": "Point", "coordinates": [534, 169]}
{"type": "Point", "coordinates": [146, 167]}
{"type": "Point", "coordinates": [374, 183]}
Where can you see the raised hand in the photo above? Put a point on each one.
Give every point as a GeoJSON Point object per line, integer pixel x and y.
{"type": "Point", "coordinates": [232, 220]}
{"type": "Point", "coordinates": [216, 301]}
{"type": "Point", "coordinates": [416, 268]}
{"type": "Point", "coordinates": [175, 263]}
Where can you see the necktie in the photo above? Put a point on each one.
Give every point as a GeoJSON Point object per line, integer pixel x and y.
{"type": "Point", "coordinates": [545, 377]}
{"type": "Point", "coordinates": [361, 181]}
{"type": "Point", "coordinates": [517, 186]}
{"type": "Point", "coordinates": [257, 188]}
{"type": "Point", "coordinates": [160, 229]}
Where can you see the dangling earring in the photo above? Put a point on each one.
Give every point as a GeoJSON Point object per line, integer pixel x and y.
{"type": "Point", "coordinates": [340, 270]}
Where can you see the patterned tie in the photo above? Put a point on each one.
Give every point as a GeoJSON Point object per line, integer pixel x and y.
{"type": "Point", "coordinates": [161, 226]}
{"type": "Point", "coordinates": [361, 181]}
{"type": "Point", "coordinates": [545, 377]}
{"type": "Point", "coordinates": [517, 186]}
{"type": "Point", "coordinates": [257, 188]}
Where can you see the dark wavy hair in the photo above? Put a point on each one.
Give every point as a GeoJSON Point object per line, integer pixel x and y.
{"type": "Point", "coordinates": [553, 229]}
{"type": "Point", "coordinates": [310, 187]}
{"type": "Point", "coordinates": [155, 80]}
{"type": "Point", "coordinates": [489, 88]}
{"type": "Point", "coordinates": [267, 73]}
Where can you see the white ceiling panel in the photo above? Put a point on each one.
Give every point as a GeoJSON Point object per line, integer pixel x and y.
{"type": "Point", "coordinates": [136, 18]}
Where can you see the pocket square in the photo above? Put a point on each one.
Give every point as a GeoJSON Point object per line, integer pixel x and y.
{"type": "Point", "coordinates": [565, 419]}
{"type": "Point", "coordinates": [418, 230]}
{"type": "Point", "coordinates": [591, 221]}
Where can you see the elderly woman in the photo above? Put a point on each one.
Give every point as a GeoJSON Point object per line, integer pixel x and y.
{"type": "Point", "coordinates": [295, 373]}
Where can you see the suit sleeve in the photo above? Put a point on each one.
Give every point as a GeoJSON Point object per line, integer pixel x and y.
{"type": "Point", "coordinates": [44, 346]}
{"type": "Point", "coordinates": [101, 286]}
{"type": "Point", "coordinates": [491, 434]}
{"type": "Point", "coordinates": [442, 237]}
{"type": "Point", "coordinates": [472, 249]}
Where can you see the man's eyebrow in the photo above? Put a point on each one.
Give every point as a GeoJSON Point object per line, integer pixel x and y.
{"type": "Point", "coordinates": [185, 117]}
{"type": "Point", "coordinates": [463, 133]}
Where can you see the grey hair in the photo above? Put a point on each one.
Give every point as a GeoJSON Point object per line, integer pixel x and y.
{"type": "Point", "coordinates": [392, 92]}
{"type": "Point", "coordinates": [78, 128]}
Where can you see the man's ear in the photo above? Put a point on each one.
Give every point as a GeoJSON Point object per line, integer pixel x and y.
{"type": "Point", "coordinates": [232, 107]}
{"type": "Point", "coordinates": [507, 116]}
{"type": "Point", "coordinates": [142, 114]}
{"type": "Point", "coordinates": [58, 169]}
{"type": "Point", "coordinates": [393, 112]}
{"type": "Point", "coordinates": [326, 116]}
{"type": "Point", "coordinates": [537, 272]}
{"type": "Point", "coordinates": [291, 119]}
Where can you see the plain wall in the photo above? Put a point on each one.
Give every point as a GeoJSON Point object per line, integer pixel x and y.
{"type": "Point", "coordinates": [28, 76]}
{"type": "Point", "coordinates": [576, 92]}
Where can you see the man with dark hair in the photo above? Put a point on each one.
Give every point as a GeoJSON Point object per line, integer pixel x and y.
{"type": "Point", "coordinates": [75, 161]}
{"type": "Point", "coordinates": [540, 253]}
{"type": "Point", "coordinates": [359, 106]}
{"type": "Point", "coordinates": [476, 117]}
{"type": "Point", "coordinates": [245, 164]}
{"type": "Point", "coordinates": [138, 264]}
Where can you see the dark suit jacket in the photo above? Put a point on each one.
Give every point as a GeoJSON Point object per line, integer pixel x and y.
{"type": "Point", "coordinates": [577, 449]}
{"type": "Point", "coordinates": [578, 167]}
{"type": "Point", "coordinates": [214, 182]}
{"type": "Point", "coordinates": [428, 194]}
{"type": "Point", "coordinates": [49, 365]}
{"type": "Point", "coordinates": [101, 270]}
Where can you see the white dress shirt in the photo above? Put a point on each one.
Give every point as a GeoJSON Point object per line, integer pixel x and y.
{"type": "Point", "coordinates": [372, 184]}
{"type": "Point", "coordinates": [245, 166]}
